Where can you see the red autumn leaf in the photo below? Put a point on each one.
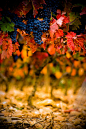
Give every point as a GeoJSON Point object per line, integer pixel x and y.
{"type": "Point", "coordinates": [58, 46]}
{"type": "Point", "coordinates": [80, 42]}
{"type": "Point", "coordinates": [83, 11]}
{"type": "Point", "coordinates": [58, 16]}
{"type": "Point", "coordinates": [53, 20]}
{"type": "Point", "coordinates": [40, 55]}
{"type": "Point", "coordinates": [65, 48]}
{"type": "Point", "coordinates": [60, 21]}
{"type": "Point", "coordinates": [31, 43]}
{"type": "Point", "coordinates": [3, 54]}
{"type": "Point", "coordinates": [7, 48]}
{"type": "Point", "coordinates": [1, 40]}
{"type": "Point", "coordinates": [70, 44]}
{"type": "Point", "coordinates": [58, 11]}
{"type": "Point", "coordinates": [70, 35]}
{"type": "Point", "coordinates": [44, 45]}
{"type": "Point", "coordinates": [10, 48]}
{"type": "Point", "coordinates": [36, 5]}
{"type": "Point", "coordinates": [53, 29]}
{"type": "Point", "coordinates": [23, 8]}
{"type": "Point", "coordinates": [38, 58]}
{"type": "Point", "coordinates": [59, 33]}
{"type": "Point", "coordinates": [61, 18]}
{"type": "Point", "coordinates": [15, 46]}
{"type": "Point", "coordinates": [0, 59]}
{"type": "Point", "coordinates": [66, 20]}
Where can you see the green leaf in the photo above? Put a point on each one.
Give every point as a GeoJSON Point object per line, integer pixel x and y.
{"type": "Point", "coordinates": [73, 16]}
{"type": "Point", "coordinates": [3, 19]}
{"type": "Point", "coordinates": [3, 28]}
{"type": "Point", "coordinates": [74, 20]}
{"type": "Point", "coordinates": [1, 22]}
{"type": "Point", "coordinates": [6, 24]}
{"type": "Point", "coordinates": [9, 28]}
{"type": "Point", "coordinates": [8, 19]}
{"type": "Point", "coordinates": [12, 24]}
{"type": "Point", "coordinates": [76, 24]}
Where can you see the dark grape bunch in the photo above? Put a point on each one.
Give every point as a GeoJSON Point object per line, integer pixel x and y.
{"type": "Point", "coordinates": [33, 24]}
{"type": "Point", "coordinates": [38, 26]}
{"type": "Point", "coordinates": [18, 24]}
{"type": "Point", "coordinates": [13, 35]}
{"type": "Point", "coordinates": [17, 21]}
{"type": "Point", "coordinates": [53, 5]}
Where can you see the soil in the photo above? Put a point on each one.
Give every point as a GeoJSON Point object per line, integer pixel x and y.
{"type": "Point", "coordinates": [60, 112]}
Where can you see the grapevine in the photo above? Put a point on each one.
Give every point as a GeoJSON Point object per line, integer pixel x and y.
{"type": "Point", "coordinates": [41, 26]}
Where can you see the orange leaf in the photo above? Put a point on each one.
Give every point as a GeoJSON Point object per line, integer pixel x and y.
{"type": "Point", "coordinates": [58, 74]}
{"type": "Point", "coordinates": [73, 72]}
{"type": "Point", "coordinates": [18, 52]}
{"type": "Point", "coordinates": [68, 69]}
{"type": "Point", "coordinates": [76, 63]}
{"type": "Point", "coordinates": [51, 49]}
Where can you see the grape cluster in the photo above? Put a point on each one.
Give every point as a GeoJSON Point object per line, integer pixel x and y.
{"type": "Point", "coordinates": [18, 24]}
{"type": "Point", "coordinates": [53, 5]}
{"type": "Point", "coordinates": [30, 20]}
{"type": "Point", "coordinates": [13, 35]}
{"type": "Point", "coordinates": [33, 24]}
{"type": "Point", "coordinates": [38, 26]}
{"type": "Point", "coordinates": [17, 21]}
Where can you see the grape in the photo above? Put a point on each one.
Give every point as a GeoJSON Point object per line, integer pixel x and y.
{"type": "Point", "coordinates": [37, 26]}
{"type": "Point", "coordinates": [17, 21]}
{"type": "Point", "coordinates": [53, 5]}
{"type": "Point", "coordinates": [33, 24]}
{"type": "Point", "coordinates": [13, 35]}
{"type": "Point", "coordinates": [15, 57]}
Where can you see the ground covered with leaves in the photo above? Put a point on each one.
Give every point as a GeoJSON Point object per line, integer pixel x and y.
{"type": "Point", "coordinates": [60, 112]}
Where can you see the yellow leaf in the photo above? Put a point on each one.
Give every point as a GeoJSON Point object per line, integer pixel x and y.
{"type": "Point", "coordinates": [58, 74]}
{"type": "Point", "coordinates": [76, 63]}
{"type": "Point", "coordinates": [81, 71]}
{"type": "Point", "coordinates": [68, 55]}
{"type": "Point", "coordinates": [68, 69]}
{"type": "Point", "coordinates": [44, 70]}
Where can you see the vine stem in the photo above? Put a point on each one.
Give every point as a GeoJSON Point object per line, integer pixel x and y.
{"type": "Point", "coordinates": [37, 73]}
